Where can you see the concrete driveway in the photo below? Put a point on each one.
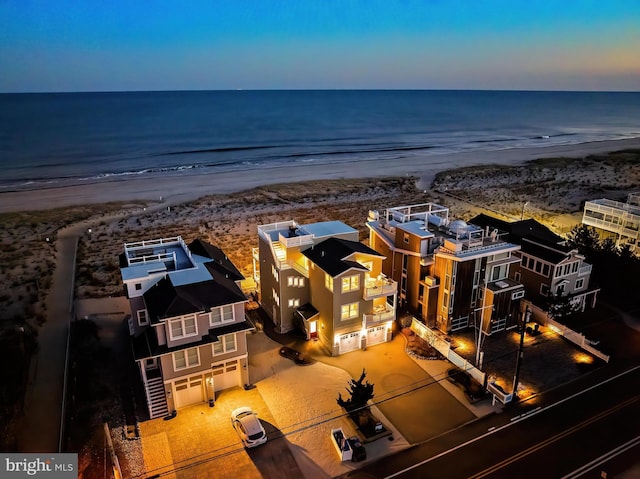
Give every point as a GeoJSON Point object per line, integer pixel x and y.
{"type": "Point", "coordinates": [200, 442]}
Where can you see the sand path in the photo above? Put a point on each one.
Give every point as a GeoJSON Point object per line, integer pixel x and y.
{"type": "Point", "coordinates": [41, 427]}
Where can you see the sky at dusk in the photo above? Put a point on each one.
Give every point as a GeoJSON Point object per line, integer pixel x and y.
{"type": "Point", "coordinates": [91, 45]}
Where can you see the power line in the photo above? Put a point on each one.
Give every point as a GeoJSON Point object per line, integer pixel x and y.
{"type": "Point", "coordinates": [319, 420]}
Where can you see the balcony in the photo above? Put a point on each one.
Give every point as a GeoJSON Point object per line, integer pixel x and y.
{"type": "Point", "coordinates": [380, 314]}
{"type": "Point", "coordinates": [379, 287]}
{"type": "Point", "coordinates": [295, 240]}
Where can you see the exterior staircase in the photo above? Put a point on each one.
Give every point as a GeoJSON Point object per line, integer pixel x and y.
{"type": "Point", "coordinates": [280, 252]}
{"type": "Point", "coordinates": [156, 400]}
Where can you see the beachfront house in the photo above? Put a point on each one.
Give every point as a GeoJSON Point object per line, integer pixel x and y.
{"type": "Point", "coordinates": [452, 275]}
{"type": "Point", "coordinates": [188, 327]}
{"type": "Point", "coordinates": [547, 266]}
{"type": "Point", "coordinates": [318, 278]}
{"type": "Point", "coordinates": [614, 219]}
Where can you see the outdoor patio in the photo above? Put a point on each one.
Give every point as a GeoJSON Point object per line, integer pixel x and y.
{"type": "Point", "coordinates": [548, 359]}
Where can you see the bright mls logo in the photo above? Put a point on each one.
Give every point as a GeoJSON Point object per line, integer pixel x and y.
{"type": "Point", "coordinates": [50, 466]}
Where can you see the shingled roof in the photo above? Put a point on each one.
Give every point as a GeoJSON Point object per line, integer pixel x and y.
{"type": "Point", "coordinates": [219, 262]}
{"type": "Point", "coordinates": [518, 230]}
{"type": "Point", "coordinates": [330, 255]}
{"type": "Point", "coordinates": [165, 300]}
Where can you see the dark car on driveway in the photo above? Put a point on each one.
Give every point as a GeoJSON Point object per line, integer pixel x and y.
{"type": "Point", "coordinates": [297, 357]}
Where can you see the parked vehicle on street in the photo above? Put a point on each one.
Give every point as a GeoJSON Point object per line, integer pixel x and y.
{"type": "Point", "coordinates": [248, 427]}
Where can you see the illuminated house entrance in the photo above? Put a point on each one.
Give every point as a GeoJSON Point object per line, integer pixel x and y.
{"type": "Point", "coordinates": [308, 316]}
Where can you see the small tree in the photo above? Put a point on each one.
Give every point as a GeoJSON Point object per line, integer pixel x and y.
{"type": "Point", "coordinates": [360, 391]}
{"type": "Point", "coordinates": [561, 308]}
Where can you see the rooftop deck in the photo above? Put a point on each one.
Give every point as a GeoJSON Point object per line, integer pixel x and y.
{"type": "Point", "coordinates": [154, 256]}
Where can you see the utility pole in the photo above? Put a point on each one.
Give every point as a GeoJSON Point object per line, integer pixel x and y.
{"type": "Point", "coordinates": [526, 317]}
{"type": "Point", "coordinates": [479, 328]}
{"type": "Point", "coordinates": [523, 207]}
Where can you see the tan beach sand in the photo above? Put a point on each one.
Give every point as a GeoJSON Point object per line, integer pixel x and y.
{"type": "Point", "coordinates": [183, 187]}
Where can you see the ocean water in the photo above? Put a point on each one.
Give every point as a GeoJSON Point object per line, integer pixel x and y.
{"type": "Point", "coordinates": [53, 139]}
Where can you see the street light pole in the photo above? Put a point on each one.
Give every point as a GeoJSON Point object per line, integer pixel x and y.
{"type": "Point", "coordinates": [523, 207]}
{"type": "Point", "coordinates": [525, 319]}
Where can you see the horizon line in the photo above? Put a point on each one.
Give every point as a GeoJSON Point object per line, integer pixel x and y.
{"type": "Point", "coordinates": [37, 92]}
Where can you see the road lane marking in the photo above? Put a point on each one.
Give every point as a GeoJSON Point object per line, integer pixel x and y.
{"type": "Point", "coordinates": [552, 439]}
{"type": "Point", "coordinates": [509, 424]}
{"type": "Point", "coordinates": [604, 458]}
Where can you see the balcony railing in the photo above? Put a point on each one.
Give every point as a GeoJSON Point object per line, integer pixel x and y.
{"type": "Point", "coordinates": [298, 240]}
{"type": "Point", "coordinates": [381, 314]}
{"type": "Point", "coordinates": [153, 258]}
{"type": "Point", "coordinates": [380, 287]}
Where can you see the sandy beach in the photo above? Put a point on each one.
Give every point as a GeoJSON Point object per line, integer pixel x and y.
{"type": "Point", "coordinates": [190, 185]}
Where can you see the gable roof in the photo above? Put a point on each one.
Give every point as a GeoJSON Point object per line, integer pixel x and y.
{"type": "Point", "coordinates": [551, 253]}
{"type": "Point", "coordinates": [518, 230]}
{"type": "Point", "coordinates": [166, 300]}
{"type": "Point", "coordinates": [330, 255]}
{"type": "Point", "coordinates": [220, 262]}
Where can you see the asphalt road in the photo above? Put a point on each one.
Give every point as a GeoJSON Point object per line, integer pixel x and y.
{"type": "Point", "coordinates": [555, 438]}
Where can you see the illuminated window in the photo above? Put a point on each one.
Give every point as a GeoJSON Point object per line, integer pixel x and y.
{"type": "Point", "coordinates": [349, 311]}
{"type": "Point", "coordinates": [294, 303]}
{"type": "Point", "coordinates": [350, 283]}
{"type": "Point", "coordinates": [328, 282]}
{"type": "Point", "coordinates": [295, 281]}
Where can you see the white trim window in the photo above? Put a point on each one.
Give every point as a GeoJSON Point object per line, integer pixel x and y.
{"type": "Point", "coordinates": [350, 283]}
{"type": "Point", "coordinates": [544, 289]}
{"type": "Point", "coordinates": [517, 295]}
{"type": "Point", "coordinates": [221, 314]}
{"type": "Point", "coordinates": [499, 272]}
{"type": "Point", "coordinates": [580, 283]}
{"type": "Point", "coordinates": [143, 319]}
{"type": "Point", "coordinates": [296, 281]}
{"type": "Point", "coordinates": [349, 311]}
{"type": "Point", "coordinates": [225, 344]}
{"type": "Point", "coordinates": [183, 327]}
{"type": "Point", "coordinates": [187, 358]}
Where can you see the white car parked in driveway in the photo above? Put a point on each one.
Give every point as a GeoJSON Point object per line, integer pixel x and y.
{"type": "Point", "coordinates": [248, 427]}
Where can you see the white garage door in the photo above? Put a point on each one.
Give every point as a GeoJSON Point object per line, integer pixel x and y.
{"type": "Point", "coordinates": [376, 335]}
{"type": "Point", "coordinates": [226, 375]}
{"type": "Point", "coordinates": [349, 342]}
{"type": "Point", "coordinates": [189, 391]}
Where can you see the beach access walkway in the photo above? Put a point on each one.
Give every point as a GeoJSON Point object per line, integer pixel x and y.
{"type": "Point", "coordinates": [41, 425]}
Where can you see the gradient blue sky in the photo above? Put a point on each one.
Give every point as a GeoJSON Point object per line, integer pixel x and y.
{"type": "Point", "coordinates": [90, 45]}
